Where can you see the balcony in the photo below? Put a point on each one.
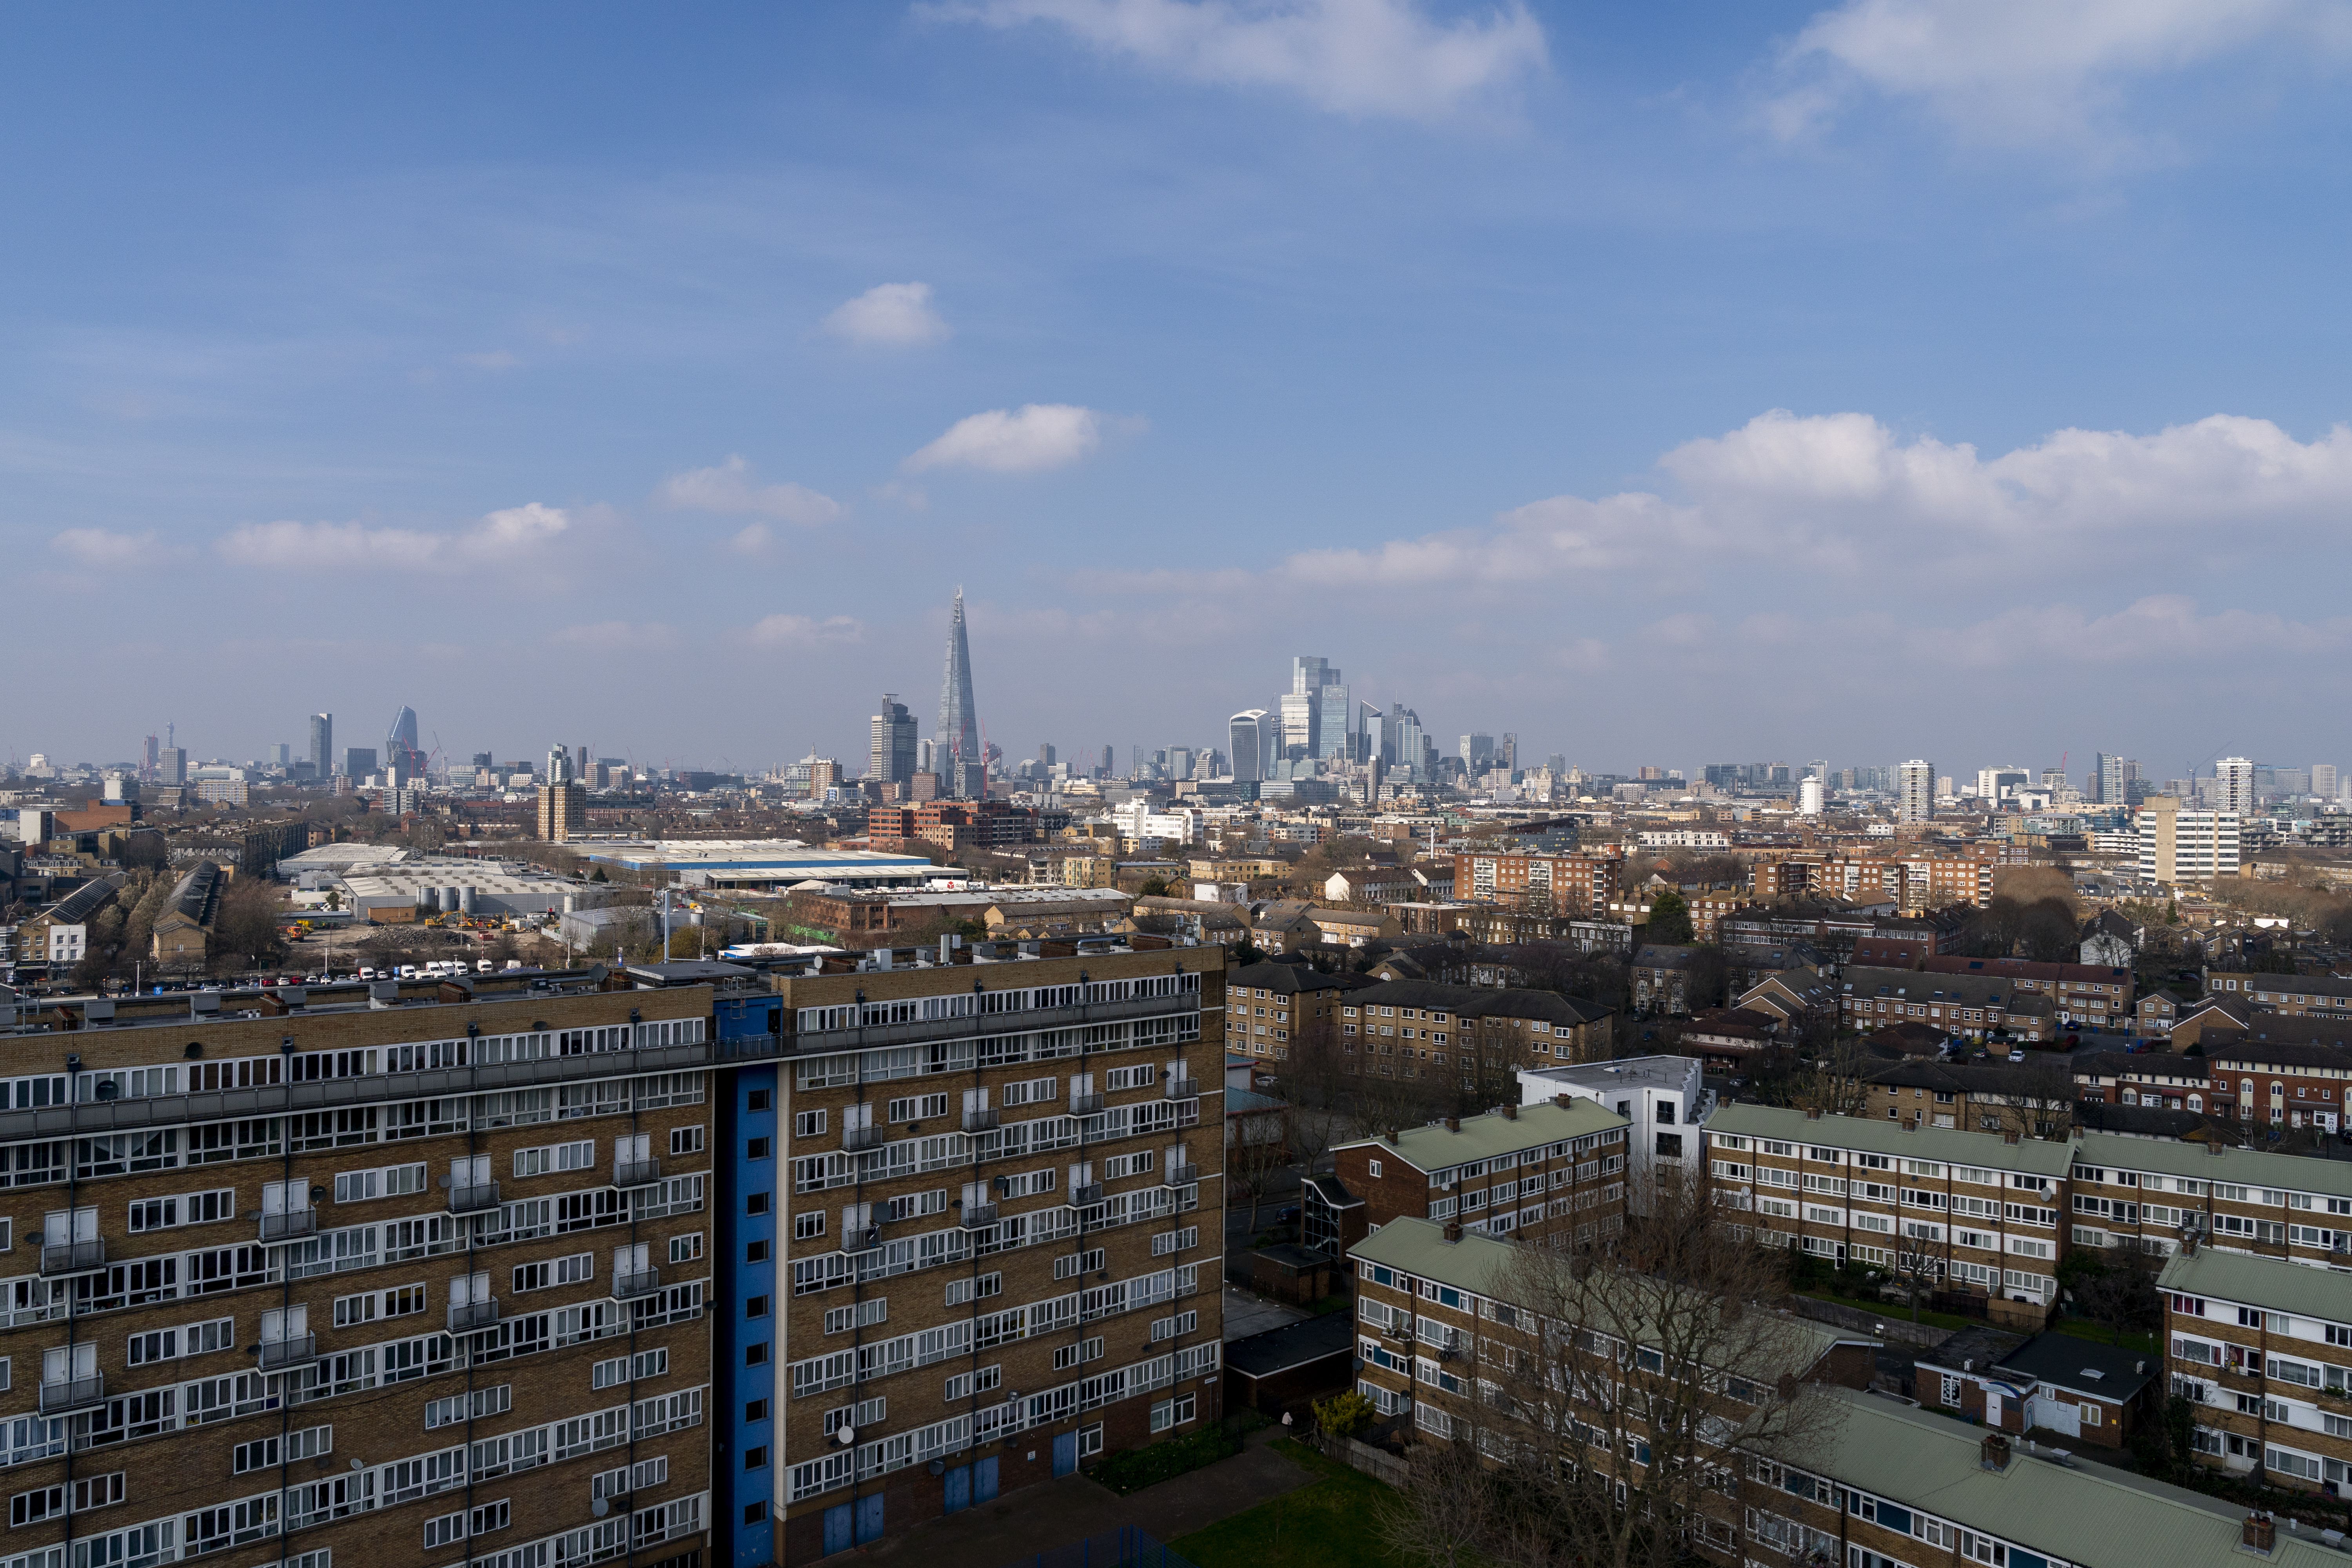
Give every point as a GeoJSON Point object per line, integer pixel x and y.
{"type": "Point", "coordinates": [295, 1349]}
{"type": "Point", "coordinates": [1026, 1021]}
{"type": "Point", "coordinates": [1175, 1175]}
{"type": "Point", "coordinates": [1182, 1088]}
{"type": "Point", "coordinates": [861, 1238]}
{"type": "Point", "coordinates": [472, 1317]}
{"type": "Point", "coordinates": [1082, 1197]}
{"type": "Point", "coordinates": [287, 1226]}
{"type": "Point", "coordinates": [979, 1121]}
{"type": "Point", "coordinates": [978, 1216]}
{"type": "Point", "coordinates": [73, 1257]}
{"type": "Point", "coordinates": [635, 1172]}
{"type": "Point", "coordinates": [1085, 1104]}
{"type": "Point", "coordinates": [73, 1394]}
{"type": "Point", "coordinates": [474, 1199]}
{"type": "Point", "coordinates": [856, 1138]}
{"type": "Point", "coordinates": [629, 1286]}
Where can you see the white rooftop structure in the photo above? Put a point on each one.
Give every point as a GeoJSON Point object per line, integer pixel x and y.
{"type": "Point", "coordinates": [766, 863]}
{"type": "Point", "coordinates": [466, 886]}
{"type": "Point", "coordinates": [1666, 1097]}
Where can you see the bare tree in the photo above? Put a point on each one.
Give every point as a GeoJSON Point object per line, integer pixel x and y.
{"type": "Point", "coordinates": [1833, 1083]}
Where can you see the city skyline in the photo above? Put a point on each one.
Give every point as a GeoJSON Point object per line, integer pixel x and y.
{"type": "Point", "coordinates": [1619, 372]}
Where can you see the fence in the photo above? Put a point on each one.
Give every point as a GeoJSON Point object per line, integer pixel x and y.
{"type": "Point", "coordinates": [1127, 1547]}
{"type": "Point", "coordinates": [1377, 1463]}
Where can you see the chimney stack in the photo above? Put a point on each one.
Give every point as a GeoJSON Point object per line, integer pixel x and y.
{"type": "Point", "coordinates": [1510, 1113]}
{"type": "Point", "coordinates": [2009, 1137]}
{"type": "Point", "coordinates": [1453, 1124]}
{"type": "Point", "coordinates": [2259, 1531]}
{"type": "Point", "coordinates": [1452, 1232]}
{"type": "Point", "coordinates": [1564, 1101]}
{"type": "Point", "coordinates": [1995, 1452]}
{"type": "Point", "coordinates": [1812, 1113]}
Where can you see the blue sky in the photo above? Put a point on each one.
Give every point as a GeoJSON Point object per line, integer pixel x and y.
{"type": "Point", "coordinates": [1667, 384]}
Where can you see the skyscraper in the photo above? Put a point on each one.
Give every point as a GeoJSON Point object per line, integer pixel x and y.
{"type": "Point", "coordinates": [2233, 786]}
{"type": "Point", "coordinates": [322, 744]}
{"type": "Point", "coordinates": [891, 755]}
{"type": "Point", "coordinates": [1411, 744]}
{"type": "Point", "coordinates": [1309, 674]}
{"type": "Point", "coordinates": [2322, 780]}
{"type": "Point", "coordinates": [400, 749]}
{"type": "Point", "coordinates": [2107, 783]}
{"type": "Point", "coordinates": [1254, 739]}
{"type": "Point", "coordinates": [959, 730]}
{"type": "Point", "coordinates": [1915, 798]}
{"type": "Point", "coordinates": [1477, 752]}
{"type": "Point", "coordinates": [1302, 717]}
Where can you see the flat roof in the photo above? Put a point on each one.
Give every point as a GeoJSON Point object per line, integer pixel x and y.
{"type": "Point", "coordinates": [1439, 1147]}
{"type": "Point", "coordinates": [747, 855]}
{"type": "Point", "coordinates": [1309, 1340]}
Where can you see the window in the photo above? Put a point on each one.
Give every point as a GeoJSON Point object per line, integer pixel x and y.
{"type": "Point", "coordinates": [686, 1139]}
{"type": "Point", "coordinates": [756, 1203]}
{"type": "Point", "coordinates": [755, 1459]}
{"type": "Point", "coordinates": [554, 1157]}
{"type": "Point", "coordinates": [608, 1373]}
{"type": "Point", "coordinates": [756, 1354]}
{"type": "Point", "coordinates": [650, 1363]}
{"type": "Point", "coordinates": [756, 1148]}
{"type": "Point", "coordinates": [1372, 1167]}
{"type": "Point", "coordinates": [759, 1099]}
{"type": "Point", "coordinates": [808, 1225]}
{"type": "Point", "coordinates": [857, 1315]}
{"type": "Point", "coordinates": [1173, 1412]}
{"type": "Point", "coordinates": [756, 1307]}
{"type": "Point", "coordinates": [960, 1291]}
{"type": "Point", "coordinates": [809, 1124]}
{"type": "Point", "coordinates": [757, 1410]}
{"type": "Point", "coordinates": [688, 1248]}
{"type": "Point", "coordinates": [918, 1107]}
{"type": "Point", "coordinates": [755, 1252]}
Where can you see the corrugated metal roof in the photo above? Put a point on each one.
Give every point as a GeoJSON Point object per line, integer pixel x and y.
{"type": "Point", "coordinates": [2270, 1283]}
{"type": "Point", "coordinates": [1483, 1137]}
{"type": "Point", "coordinates": [2032, 1156]}
{"type": "Point", "coordinates": [2248, 1167]}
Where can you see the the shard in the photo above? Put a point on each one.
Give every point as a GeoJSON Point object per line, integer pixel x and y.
{"type": "Point", "coordinates": [959, 733]}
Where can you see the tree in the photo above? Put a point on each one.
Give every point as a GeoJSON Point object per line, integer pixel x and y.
{"type": "Point", "coordinates": [1670, 921]}
{"type": "Point", "coordinates": [1153, 887]}
{"type": "Point", "coordinates": [245, 930]}
{"type": "Point", "coordinates": [1834, 1082]}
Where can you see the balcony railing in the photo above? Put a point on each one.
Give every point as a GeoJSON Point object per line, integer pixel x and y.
{"type": "Point", "coordinates": [73, 1394]}
{"type": "Point", "coordinates": [635, 1172]}
{"type": "Point", "coordinates": [1024, 1022]}
{"type": "Point", "coordinates": [979, 1121]}
{"type": "Point", "coordinates": [1175, 1175]}
{"type": "Point", "coordinates": [977, 1217]}
{"type": "Point", "coordinates": [861, 1238]}
{"type": "Point", "coordinates": [629, 1286]}
{"type": "Point", "coordinates": [856, 1138]}
{"type": "Point", "coordinates": [1182, 1088]}
{"type": "Point", "coordinates": [475, 1198]}
{"type": "Point", "coordinates": [468, 1316]}
{"type": "Point", "coordinates": [287, 1226]}
{"type": "Point", "coordinates": [276, 1356]}
{"type": "Point", "coordinates": [1085, 1104]}
{"type": "Point", "coordinates": [73, 1257]}
{"type": "Point", "coordinates": [1082, 1197]}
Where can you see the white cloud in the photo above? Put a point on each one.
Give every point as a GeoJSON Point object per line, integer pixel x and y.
{"type": "Point", "coordinates": [502, 538]}
{"type": "Point", "coordinates": [803, 631]}
{"type": "Point", "coordinates": [1842, 493]}
{"type": "Point", "coordinates": [892, 315]}
{"type": "Point", "coordinates": [1359, 57]}
{"type": "Point", "coordinates": [728, 490]}
{"type": "Point", "coordinates": [1024, 440]}
{"type": "Point", "coordinates": [2015, 71]}
{"type": "Point", "coordinates": [618, 636]}
{"type": "Point", "coordinates": [103, 547]}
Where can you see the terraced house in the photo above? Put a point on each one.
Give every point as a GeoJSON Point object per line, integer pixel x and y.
{"type": "Point", "coordinates": [1472, 1035]}
{"type": "Point", "coordinates": [996, 1186]}
{"type": "Point", "coordinates": [1974, 1005]}
{"type": "Point", "coordinates": [404, 1273]}
{"type": "Point", "coordinates": [1552, 1172]}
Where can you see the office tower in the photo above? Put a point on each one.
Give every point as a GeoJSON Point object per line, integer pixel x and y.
{"type": "Point", "coordinates": [483, 760]}
{"type": "Point", "coordinates": [1915, 799]}
{"type": "Point", "coordinates": [322, 744]}
{"type": "Point", "coordinates": [890, 755]}
{"type": "Point", "coordinates": [399, 747]}
{"type": "Point", "coordinates": [1411, 742]}
{"type": "Point", "coordinates": [1478, 753]}
{"type": "Point", "coordinates": [2107, 780]}
{"type": "Point", "coordinates": [382, 1329]}
{"type": "Point", "coordinates": [1109, 761]}
{"type": "Point", "coordinates": [2322, 780]}
{"type": "Point", "coordinates": [2233, 786]}
{"type": "Point", "coordinates": [281, 755]}
{"type": "Point", "coordinates": [921, 1213]}
{"type": "Point", "coordinates": [1309, 675]}
{"type": "Point", "coordinates": [959, 732]}
{"type": "Point", "coordinates": [1335, 735]}
{"type": "Point", "coordinates": [359, 762]}
{"type": "Point", "coordinates": [171, 765]}
{"type": "Point", "coordinates": [1506, 753]}
{"type": "Point", "coordinates": [1994, 783]}
{"type": "Point", "coordinates": [1253, 736]}
{"type": "Point", "coordinates": [1180, 762]}
{"type": "Point", "coordinates": [1819, 768]}
{"type": "Point", "coordinates": [1046, 755]}
{"type": "Point", "coordinates": [1376, 741]}
{"type": "Point", "coordinates": [1808, 795]}
{"type": "Point", "coordinates": [1301, 717]}
{"type": "Point", "coordinates": [1556, 764]}
{"type": "Point", "coordinates": [559, 766]}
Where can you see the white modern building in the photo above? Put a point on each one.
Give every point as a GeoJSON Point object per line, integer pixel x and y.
{"type": "Point", "coordinates": [1916, 797]}
{"type": "Point", "coordinates": [2177, 845]}
{"type": "Point", "coordinates": [1666, 1098]}
{"type": "Point", "coordinates": [2233, 786]}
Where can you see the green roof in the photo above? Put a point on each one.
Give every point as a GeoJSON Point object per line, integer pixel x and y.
{"type": "Point", "coordinates": [2271, 1283]}
{"type": "Point", "coordinates": [1483, 1137]}
{"type": "Point", "coordinates": [2084, 1513]}
{"type": "Point", "coordinates": [1483, 1265]}
{"type": "Point", "coordinates": [2031, 1156]}
{"type": "Point", "coordinates": [2247, 1167]}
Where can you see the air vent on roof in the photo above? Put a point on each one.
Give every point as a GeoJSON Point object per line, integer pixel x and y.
{"type": "Point", "coordinates": [205, 1004]}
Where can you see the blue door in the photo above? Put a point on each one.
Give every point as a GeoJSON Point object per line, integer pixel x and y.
{"type": "Point", "coordinates": [959, 1489]}
{"type": "Point", "coordinates": [869, 1519]}
{"type": "Point", "coordinates": [1066, 1454]}
{"type": "Point", "coordinates": [983, 1480]}
{"type": "Point", "coordinates": [836, 1529]}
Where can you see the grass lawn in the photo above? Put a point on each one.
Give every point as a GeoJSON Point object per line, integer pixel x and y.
{"type": "Point", "coordinates": [1890, 1313]}
{"type": "Point", "coordinates": [2100, 1335]}
{"type": "Point", "coordinates": [1327, 1523]}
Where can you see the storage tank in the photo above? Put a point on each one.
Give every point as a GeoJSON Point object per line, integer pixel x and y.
{"type": "Point", "coordinates": [449, 899]}
{"type": "Point", "coordinates": [429, 898]}
{"type": "Point", "coordinates": [466, 900]}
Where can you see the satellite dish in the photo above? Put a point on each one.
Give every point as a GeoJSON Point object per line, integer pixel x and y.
{"type": "Point", "coordinates": [846, 1436]}
{"type": "Point", "coordinates": [599, 1507]}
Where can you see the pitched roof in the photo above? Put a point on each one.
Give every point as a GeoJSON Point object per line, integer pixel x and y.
{"type": "Point", "coordinates": [1287, 979]}
{"type": "Point", "coordinates": [2270, 1283]}
{"type": "Point", "coordinates": [1482, 1001]}
{"type": "Point", "coordinates": [1959, 990]}
{"type": "Point", "coordinates": [2034, 1156]}
{"type": "Point", "coordinates": [2084, 1366]}
{"type": "Point", "coordinates": [1440, 1148]}
{"type": "Point", "coordinates": [2248, 1167]}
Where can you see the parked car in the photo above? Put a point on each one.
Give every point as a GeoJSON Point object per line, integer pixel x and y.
{"type": "Point", "coordinates": [2016, 1055]}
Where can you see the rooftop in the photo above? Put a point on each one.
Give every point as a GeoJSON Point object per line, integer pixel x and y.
{"type": "Point", "coordinates": [2032, 1155]}
{"type": "Point", "coordinates": [2268, 1282]}
{"type": "Point", "coordinates": [1439, 1147]}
